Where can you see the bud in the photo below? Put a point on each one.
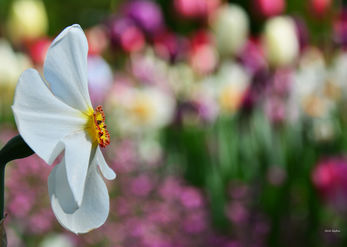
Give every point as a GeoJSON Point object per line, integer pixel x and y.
{"type": "Point", "coordinates": [280, 41]}
{"type": "Point", "coordinates": [27, 20]}
{"type": "Point", "coordinates": [230, 26]}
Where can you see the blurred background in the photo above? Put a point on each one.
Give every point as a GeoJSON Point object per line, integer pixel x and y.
{"type": "Point", "coordinates": [228, 120]}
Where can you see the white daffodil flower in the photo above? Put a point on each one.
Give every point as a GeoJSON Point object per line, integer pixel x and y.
{"type": "Point", "coordinates": [54, 114]}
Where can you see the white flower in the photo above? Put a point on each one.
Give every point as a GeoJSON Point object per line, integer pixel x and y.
{"type": "Point", "coordinates": [310, 87]}
{"type": "Point", "coordinates": [11, 65]}
{"type": "Point", "coordinates": [57, 240]}
{"type": "Point", "coordinates": [147, 108]}
{"type": "Point", "coordinates": [231, 28]}
{"type": "Point", "coordinates": [233, 83]}
{"type": "Point", "coordinates": [54, 114]}
{"type": "Point", "coordinates": [324, 129]}
{"type": "Point", "coordinates": [27, 20]}
{"type": "Point", "coordinates": [280, 41]}
{"type": "Point", "coordinates": [338, 75]}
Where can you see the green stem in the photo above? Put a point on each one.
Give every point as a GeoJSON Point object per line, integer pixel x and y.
{"type": "Point", "coordinates": [2, 190]}
{"type": "Point", "coordinates": [16, 148]}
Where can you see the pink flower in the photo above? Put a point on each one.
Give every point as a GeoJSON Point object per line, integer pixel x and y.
{"type": "Point", "coordinates": [195, 222]}
{"type": "Point", "coordinates": [268, 8]}
{"type": "Point", "coordinates": [196, 8]}
{"type": "Point", "coordinates": [320, 7]}
{"type": "Point", "coordinates": [237, 212]}
{"type": "Point", "coordinates": [41, 222]}
{"type": "Point", "coordinates": [170, 189]}
{"type": "Point", "coordinates": [191, 198]}
{"type": "Point", "coordinates": [126, 34]}
{"type": "Point", "coordinates": [38, 50]}
{"type": "Point", "coordinates": [330, 178]}
{"type": "Point", "coordinates": [203, 54]}
{"type": "Point", "coordinates": [141, 185]}
{"type": "Point", "coordinates": [170, 46]}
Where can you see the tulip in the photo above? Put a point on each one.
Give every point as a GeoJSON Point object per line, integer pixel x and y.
{"type": "Point", "coordinates": [196, 8]}
{"type": "Point", "coordinates": [27, 20]}
{"type": "Point", "coordinates": [170, 46]}
{"type": "Point", "coordinates": [38, 50]}
{"type": "Point", "coordinates": [280, 41]}
{"type": "Point", "coordinates": [233, 82]}
{"type": "Point", "coordinates": [11, 66]}
{"type": "Point", "coordinates": [230, 26]}
{"type": "Point", "coordinates": [330, 179]}
{"type": "Point", "coordinates": [203, 56]}
{"type": "Point", "coordinates": [146, 14]}
{"type": "Point", "coordinates": [97, 40]}
{"type": "Point", "coordinates": [269, 8]}
{"type": "Point", "coordinates": [340, 28]}
{"type": "Point", "coordinates": [126, 34]}
{"type": "Point", "coordinates": [320, 7]}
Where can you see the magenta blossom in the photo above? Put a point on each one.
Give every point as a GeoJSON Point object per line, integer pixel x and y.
{"type": "Point", "coordinates": [146, 14]}
{"type": "Point", "coordinates": [330, 178]}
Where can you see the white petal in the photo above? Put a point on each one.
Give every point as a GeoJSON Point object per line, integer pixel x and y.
{"type": "Point", "coordinates": [106, 171]}
{"type": "Point", "coordinates": [65, 68]}
{"type": "Point", "coordinates": [41, 118]}
{"type": "Point", "coordinates": [94, 209]}
{"type": "Point", "coordinates": [77, 155]}
{"type": "Point", "coordinates": [59, 185]}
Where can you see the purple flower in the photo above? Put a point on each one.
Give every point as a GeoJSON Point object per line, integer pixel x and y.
{"type": "Point", "coordinates": [170, 46]}
{"type": "Point", "coordinates": [275, 109]}
{"type": "Point", "coordinates": [302, 32]}
{"type": "Point", "coordinates": [340, 29]}
{"type": "Point", "coordinates": [252, 57]}
{"type": "Point", "coordinates": [125, 34]}
{"type": "Point", "coordinates": [146, 14]}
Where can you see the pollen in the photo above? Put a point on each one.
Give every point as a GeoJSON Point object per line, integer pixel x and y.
{"type": "Point", "coordinates": [97, 128]}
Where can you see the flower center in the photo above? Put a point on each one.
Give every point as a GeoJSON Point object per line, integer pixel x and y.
{"type": "Point", "coordinates": [96, 127]}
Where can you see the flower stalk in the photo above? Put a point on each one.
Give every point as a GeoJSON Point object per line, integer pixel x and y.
{"type": "Point", "coordinates": [16, 148]}
{"type": "Point", "coordinates": [2, 191]}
